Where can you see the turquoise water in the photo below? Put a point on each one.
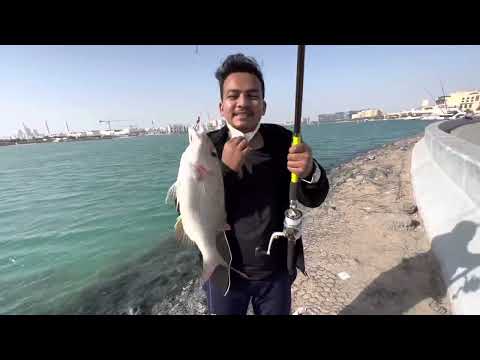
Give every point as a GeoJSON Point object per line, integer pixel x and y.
{"type": "Point", "coordinates": [84, 227]}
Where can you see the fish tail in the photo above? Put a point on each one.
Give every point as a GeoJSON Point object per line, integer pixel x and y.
{"type": "Point", "coordinates": [216, 270]}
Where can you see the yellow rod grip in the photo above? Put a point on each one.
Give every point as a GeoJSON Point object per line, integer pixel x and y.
{"type": "Point", "coordinates": [296, 141]}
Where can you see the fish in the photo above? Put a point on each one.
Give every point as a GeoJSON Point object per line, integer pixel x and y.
{"type": "Point", "coordinates": [199, 196]}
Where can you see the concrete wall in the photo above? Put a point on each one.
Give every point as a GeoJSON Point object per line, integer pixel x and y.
{"type": "Point", "coordinates": [446, 186]}
{"type": "Point", "coordinates": [459, 159]}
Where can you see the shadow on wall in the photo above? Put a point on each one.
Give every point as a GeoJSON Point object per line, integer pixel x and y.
{"type": "Point", "coordinates": [412, 281]}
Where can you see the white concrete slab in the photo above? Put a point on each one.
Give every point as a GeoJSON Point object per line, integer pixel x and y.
{"type": "Point", "coordinates": [452, 222]}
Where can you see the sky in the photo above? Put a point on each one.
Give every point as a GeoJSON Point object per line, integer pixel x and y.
{"type": "Point", "coordinates": [175, 84]}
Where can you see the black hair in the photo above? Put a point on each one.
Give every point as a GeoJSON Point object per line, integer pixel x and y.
{"type": "Point", "coordinates": [238, 63]}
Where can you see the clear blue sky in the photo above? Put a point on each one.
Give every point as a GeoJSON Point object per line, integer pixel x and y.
{"type": "Point", "coordinates": [169, 84]}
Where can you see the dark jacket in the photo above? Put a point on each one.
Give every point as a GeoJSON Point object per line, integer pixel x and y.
{"type": "Point", "coordinates": [256, 202]}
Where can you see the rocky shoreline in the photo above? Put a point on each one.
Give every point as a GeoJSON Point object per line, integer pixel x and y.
{"type": "Point", "coordinates": [365, 248]}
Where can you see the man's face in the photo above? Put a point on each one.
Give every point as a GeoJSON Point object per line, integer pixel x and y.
{"type": "Point", "coordinates": [242, 104]}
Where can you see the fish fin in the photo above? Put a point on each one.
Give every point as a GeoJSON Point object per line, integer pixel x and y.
{"type": "Point", "coordinates": [178, 222]}
{"type": "Point", "coordinates": [180, 235]}
{"type": "Point", "coordinates": [171, 198]}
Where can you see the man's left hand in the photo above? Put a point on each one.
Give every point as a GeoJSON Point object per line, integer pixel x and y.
{"type": "Point", "coordinates": [300, 160]}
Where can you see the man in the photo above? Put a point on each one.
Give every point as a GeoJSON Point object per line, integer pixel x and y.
{"type": "Point", "coordinates": [257, 161]}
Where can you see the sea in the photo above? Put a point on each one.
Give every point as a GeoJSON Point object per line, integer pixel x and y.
{"type": "Point", "coordinates": [84, 228]}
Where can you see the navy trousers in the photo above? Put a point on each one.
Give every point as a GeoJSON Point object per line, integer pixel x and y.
{"type": "Point", "coordinates": [272, 296]}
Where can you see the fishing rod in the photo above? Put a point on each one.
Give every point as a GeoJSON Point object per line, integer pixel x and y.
{"type": "Point", "coordinates": [293, 216]}
{"type": "Point", "coordinates": [292, 226]}
{"type": "Point", "coordinates": [298, 116]}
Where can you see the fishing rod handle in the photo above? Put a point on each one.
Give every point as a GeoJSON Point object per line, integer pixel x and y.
{"type": "Point", "coordinates": [297, 140]}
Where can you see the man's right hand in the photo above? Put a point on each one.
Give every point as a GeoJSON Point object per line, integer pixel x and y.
{"type": "Point", "coordinates": [234, 153]}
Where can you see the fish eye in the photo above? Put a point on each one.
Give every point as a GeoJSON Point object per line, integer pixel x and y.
{"type": "Point", "coordinates": [214, 154]}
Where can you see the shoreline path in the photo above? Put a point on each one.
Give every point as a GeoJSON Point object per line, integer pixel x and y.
{"type": "Point", "coordinates": [365, 248]}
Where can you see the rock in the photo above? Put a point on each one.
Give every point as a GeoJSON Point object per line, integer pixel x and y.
{"type": "Point", "coordinates": [348, 174]}
{"type": "Point", "coordinates": [371, 157]}
{"type": "Point", "coordinates": [190, 301]}
{"type": "Point", "coordinates": [372, 173]}
{"type": "Point", "coordinates": [343, 275]}
{"type": "Point", "coordinates": [414, 224]}
{"type": "Point", "coordinates": [333, 207]}
{"type": "Point", "coordinates": [132, 311]}
{"type": "Point", "coordinates": [409, 208]}
{"type": "Point", "coordinates": [299, 311]}
{"type": "Point", "coordinates": [404, 222]}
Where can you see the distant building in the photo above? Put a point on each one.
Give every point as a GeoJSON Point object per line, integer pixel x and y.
{"type": "Point", "coordinates": [370, 114]}
{"type": "Point", "coordinates": [122, 132]}
{"type": "Point", "coordinates": [461, 100]}
{"type": "Point", "coordinates": [338, 116]}
{"type": "Point", "coordinates": [176, 129]}
{"type": "Point", "coordinates": [325, 117]}
{"type": "Point", "coordinates": [393, 116]}
{"type": "Point", "coordinates": [106, 132]}
{"type": "Point", "coordinates": [28, 132]}
{"type": "Point", "coordinates": [215, 124]}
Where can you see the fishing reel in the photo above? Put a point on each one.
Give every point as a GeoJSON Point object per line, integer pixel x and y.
{"type": "Point", "coordinates": [292, 226]}
{"type": "Point", "coordinates": [292, 230]}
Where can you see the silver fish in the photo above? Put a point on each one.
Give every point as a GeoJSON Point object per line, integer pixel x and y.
{"type": "Point", "coordinates": [199, 194]}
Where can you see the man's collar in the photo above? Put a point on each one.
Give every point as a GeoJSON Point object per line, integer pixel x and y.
{"type": "Point", "coordinates": [233, 133]}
